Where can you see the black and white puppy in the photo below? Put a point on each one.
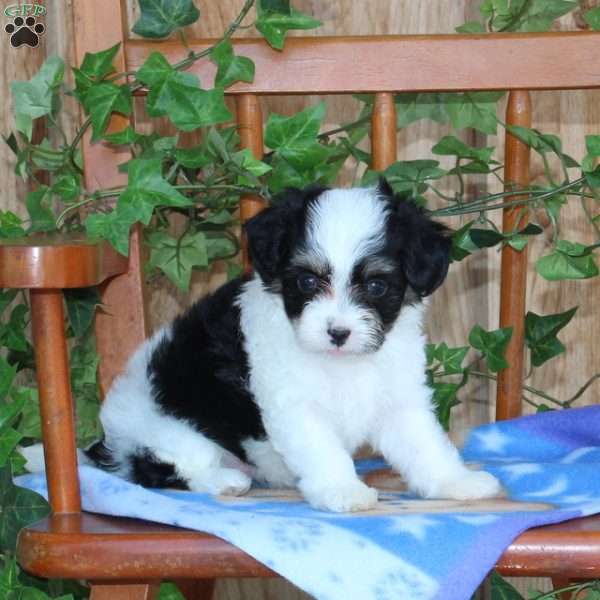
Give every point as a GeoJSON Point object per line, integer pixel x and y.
{"type": "Point", "coordinates": [290, 371]}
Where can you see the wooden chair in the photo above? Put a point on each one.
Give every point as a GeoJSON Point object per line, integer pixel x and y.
{"type": "Point", "coordinates": [124, 559]}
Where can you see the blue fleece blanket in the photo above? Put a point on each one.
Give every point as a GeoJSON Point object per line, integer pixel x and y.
{"type": "Point", "coordinates": [405, 548]}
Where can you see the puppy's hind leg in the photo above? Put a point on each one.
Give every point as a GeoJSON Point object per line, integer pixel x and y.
{"type": "Point", "coordinates": [199, 461]}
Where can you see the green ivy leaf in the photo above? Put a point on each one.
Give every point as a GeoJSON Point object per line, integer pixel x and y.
{"type": "Point", "coordinates": [500, 589]}
{"type": "Point", "coordinates": [451, 146]}
{"type": "Point", "coordinates": [189, 107]}
{"type": "Point", "coordinates": [68, 187]}
{"type": "Point", "coordinates": [473, 109]}
{"type": "Point", "coordinates": [111, 227]}
{"type": "Point", "coordinates": [7, 376]}
{"type": "Point", "coordinates": [81, 308]}
{"type": "Point", "coordinates": [176, 258]}
{"type": "Point", "coordinates": [485, 238]}
{"type": "Point", "coordinates": [11, 225]}
{"type": "Point", "coordinates": [164, 83]}
{"type": "Point", "coordinates": [524, 15]}
{"type": "Point", "coordinates": [569, 260]}
{"type": "Point", "coordinates": [592, 18]}
{"type": "Point", "coordinates": [146, 189]}
{"type": "Point", "coordinates": [169, 591]}
{"type": "Point", "coordinates": [9, 414]}
{"type": "Point", "coordinates": [29, 424]}
{"type": "Point", "coordinates": [281, 130]}
{"type": "Point", "coordinates": [470, 27]}
{"type": "Point", "coordinates": [38, 205]}
{"type": "Point", "coordinates": [540, 142]}
{"type": "Point", "coordinates": [492, 344]}
{"type": "Point", "coordinates": [275, 25]}
{"type": "Point", "coordinates": [540, 14]}
{"type": "Point", "coordinates": [285, 175]}
{"type": "Point", "coordinates": [219, 247]}
{"type": "Point", "coordinates": [230, 68]}
{"type": "Point", "coordinates": [541, 332]}
{"type": "Point", "coordinates": [101, 101]}
{"type": "Point", "coordinates": [592, 144]}
{"type": "Point", "coordinates": [408, 175]}
{"type": "Point", "coordinates": [411, 107]}
{"type": "Point", "coordinates": [450, 359]}
{"type": "Point", "coordinates": [8, 442]}
{"type": "Point", "coordinates": [84, 368]}
{"type": "Point", "coordinates": [245, 159]}
{"type": "Point", "coordinates": [45, 157]}
{"type": "Point", "coordinates": [6, 298]}
{"type": "Point", "coordinates": [280, 6]}
{"type": "Point", "coordinates": [18, 507]}
{"type": "Point", "coordinates": [36, 98]}
{"type": "Point", "coordinates": [97, 65]}
{"type": "Point", "coordinates": [193, 158]}
{"type": "Point", "coordinates": [159, 18]}
{"type": "Point", "coordinates": [295, 138]}
{"type": "Point", "coordinates": [444, 399]}
{"type": "Point", "coordinates": [13, 332]}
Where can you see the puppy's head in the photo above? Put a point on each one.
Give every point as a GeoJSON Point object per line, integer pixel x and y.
{"type": "Point", "coordinates": [346, 261]}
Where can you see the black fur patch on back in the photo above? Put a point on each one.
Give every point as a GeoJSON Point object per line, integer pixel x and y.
{"type": "Point", "coordinates": [148, 471]}
{"type": "Point", "coordinates": [200, 373]}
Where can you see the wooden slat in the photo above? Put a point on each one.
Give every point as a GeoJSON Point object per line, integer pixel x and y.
{"type": "Point", "coordinates": [343, 65]}
{"type": "Point", "coordinates": [513, 277]}
{"type": "Point", "coordinates": [56, 402]}
{"type": "Point", "coordinates": [383, 131]}
{"type": "Point", "coordinates": [250, 129]}
{"type": "Point", "coordinates": [99, 25]}
{"type": "Point", "coordinates": [60, 261]}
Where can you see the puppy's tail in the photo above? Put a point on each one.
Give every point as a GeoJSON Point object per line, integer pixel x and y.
{"type": "Point", "coordinates": [96, 455]}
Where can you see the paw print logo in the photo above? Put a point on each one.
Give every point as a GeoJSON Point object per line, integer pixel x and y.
{"type": "Point", "coordinates": [24, 32]}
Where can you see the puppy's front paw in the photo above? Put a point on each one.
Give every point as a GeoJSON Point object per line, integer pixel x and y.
{"type": "Point", "coordinates": [469, 486]}
{"type": "Point", "coordinates": [349, 496]}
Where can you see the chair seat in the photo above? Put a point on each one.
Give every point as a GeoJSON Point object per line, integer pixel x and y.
{"type": "Point", "coordinates": [88, 546]}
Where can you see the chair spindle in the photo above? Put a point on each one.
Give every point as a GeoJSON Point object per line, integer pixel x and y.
{"type": "Point", "coordinates": [513, 278]}
{"type": "Point", "coordinates": [56, 401]}
{"type": "Point", "coordinates": [250, 127]}
{"type": "Point", "coordinates": [383, 140]}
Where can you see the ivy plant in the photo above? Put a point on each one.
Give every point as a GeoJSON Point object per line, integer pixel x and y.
{"type": "Point", "coordinates": [200, 186]}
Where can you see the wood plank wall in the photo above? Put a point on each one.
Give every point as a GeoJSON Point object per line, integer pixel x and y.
{"type": "Point", "coordinates": [470, 294]}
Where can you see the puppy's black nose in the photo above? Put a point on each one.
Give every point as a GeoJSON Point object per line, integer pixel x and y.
{"type": "Point", "coordinates": [338, 335]}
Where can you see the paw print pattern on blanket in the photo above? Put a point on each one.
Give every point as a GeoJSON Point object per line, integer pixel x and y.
{"type": "Point", "coordinates": [295, 535]}
{"type": "Point", "coordinates": [402, 583]}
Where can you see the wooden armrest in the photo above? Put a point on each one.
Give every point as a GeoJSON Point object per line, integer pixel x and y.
{"type": "Point", "coordinates": [57, 261]}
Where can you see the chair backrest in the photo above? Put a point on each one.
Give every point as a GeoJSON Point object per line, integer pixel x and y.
{"type": "Point", "coordinates": [516, 63]}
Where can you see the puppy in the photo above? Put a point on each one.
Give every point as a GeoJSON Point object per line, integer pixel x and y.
{"type": "Point", "coordinates": [282, 376]}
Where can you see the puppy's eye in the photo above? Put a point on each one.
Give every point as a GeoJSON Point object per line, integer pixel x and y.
{"type": "Point", "coordinates": [307, 283]}
{"type": "Point", "coordinates": [377, 288]}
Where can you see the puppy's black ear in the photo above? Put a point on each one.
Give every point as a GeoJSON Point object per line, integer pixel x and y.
{"type": "Point", "coordinates": [425, 247]}
{"type": "Point", "coordinates": [273, 233]}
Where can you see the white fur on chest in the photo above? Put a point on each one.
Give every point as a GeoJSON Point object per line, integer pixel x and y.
{"type": "Point", "coordinates": [352, 393]}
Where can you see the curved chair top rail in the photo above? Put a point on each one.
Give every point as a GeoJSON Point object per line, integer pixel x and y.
{"type": "Point", "coordinates": [57, 261]}
{"type": "Point", "coordinates": [413, 63]}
